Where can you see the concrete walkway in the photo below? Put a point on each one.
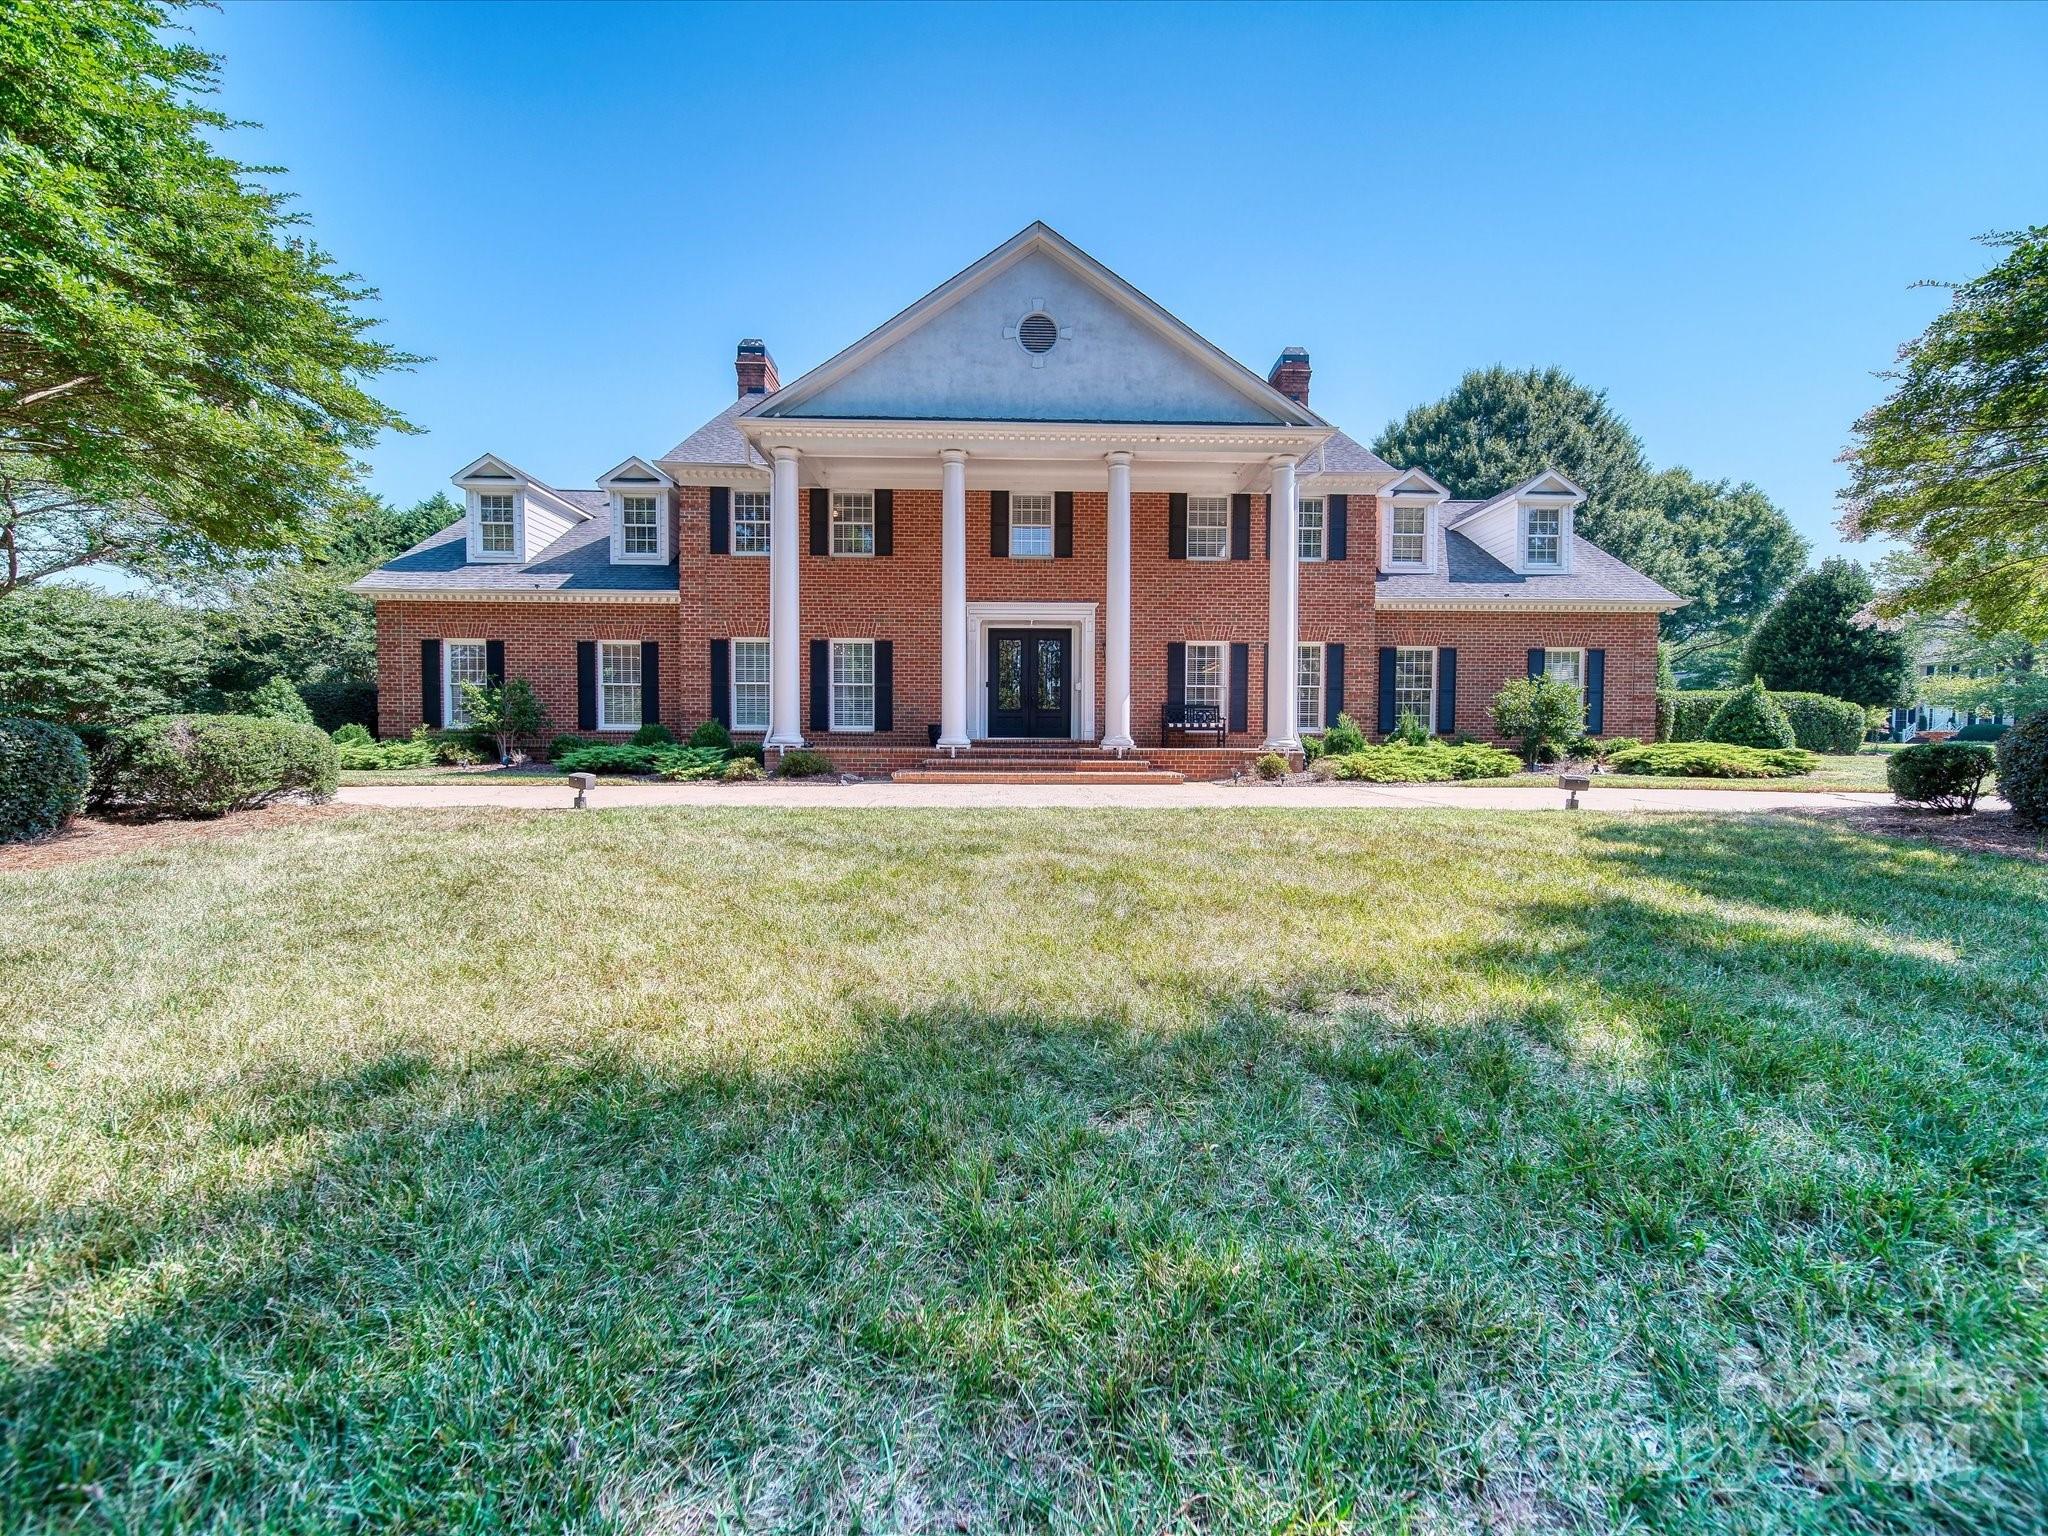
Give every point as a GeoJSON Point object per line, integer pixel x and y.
{"type": "Point", "coordinates": [1131, 797]}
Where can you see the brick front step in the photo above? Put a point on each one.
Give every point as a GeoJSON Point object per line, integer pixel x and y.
{"type": "Point", "coordinates": [1012, 762]}
{"type": "Point", "coordinates": [989, 774]}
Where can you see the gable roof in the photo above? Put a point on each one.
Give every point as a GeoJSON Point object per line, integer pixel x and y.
{"type": "Point", "coordinates": [1038, 239]}
{"type": "Point", "coordinates": [578, 563]}
{"type": "Point", "coordinates": [719, 440]}
{"type": "Point", "coordinates": [1465, 574]}
{"type": "Point", "coordinates": [1552, 483]}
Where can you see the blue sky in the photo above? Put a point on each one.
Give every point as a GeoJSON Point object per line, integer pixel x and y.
{"type": "Point", "coordinates": [1714, 213]}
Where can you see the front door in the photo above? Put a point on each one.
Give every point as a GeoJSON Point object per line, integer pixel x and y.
{"type": "Point", "coordinates": [1028, 678]}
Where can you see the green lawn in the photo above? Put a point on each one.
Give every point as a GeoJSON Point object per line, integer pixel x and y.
{"type": "Point", "coordinates": [687, 1171]}
{"type": "Point", "coordinates": [1862, 772]}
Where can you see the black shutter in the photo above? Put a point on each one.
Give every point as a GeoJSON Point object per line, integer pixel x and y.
{"type": "Point", "coordinates": [430, 683]}
{"type": "Point", "coordinates": [1596, 692]}
{"type": "Point", "coordinates": [821, 520]}
{"type": "Point", "coordinates": [1337, 522]}
{"type": "Point", "coordinates": [721, 682]}
{"type": "Point", "coordinates": [1536, 661]}
{"type": "Point", "coordinates": [1386, 689]}
{"type": "Point", "coordinates": [1241, 527]}
{"type": "Point", "coordinates": [1240, 686]}
{"type": "Point", "coordinates": [1333, 683]}
{"type": "Point", "coordinates": [586, 685]}
{"type": "Point", "coordinates": [885, 522]}
{"type": "Point", "coordinates": [494, 662]}
{"type": "Point", "coordinates": [885, 685]}
{"type": "Point", "coordinates": [1447, 691]}
{"type": "Point", "coordinates": [999, 524]}
{"type": "Point", "coordinates": [721, 519]}
{"type": "Point", "coordinates": [650, 681]}
{"type": "Point", "coordinates": [1176, 674]}
{"type": "Point", "coordinates": [1063, 525]}
{"type": "Point", "coordinates": [821, 685]}
{"type": "Point", "coordinates": [1177, 526]}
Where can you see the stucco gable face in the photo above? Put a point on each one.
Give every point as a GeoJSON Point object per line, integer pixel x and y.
{"type": "Point", "coordinates": [965, 362]}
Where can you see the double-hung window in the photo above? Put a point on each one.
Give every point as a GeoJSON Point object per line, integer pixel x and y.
{"type": "Point", "coordinates": [1030, 526]}
{"type": "Point", "coordinates": [463, 661]}
{"type": "Point", "coordinates": [750, 520]}
{"type": "Point", "coordinates": [1308, 690]}
{"type": "Point", "coordinates": [853, 522]}
{"type": "Point", "coordinates": [494, 522]}
{"type": "Point", "coordinates": [853, 685]}
{"type": "Point", "coordinates": [1407, 533]}
{"type": "Point", "coordinates": [1546, 537]}
{"type": "Point", "coordinates": [1202, 674]}
{"type": "Point", "coordinates": [1567, 667]}
{"type": "Point", "coordinates": [639, 525]}
{"type": "Point", "coordinates": [618, 685]}
{"type": "Point", "coordinates": [1415, 685]}
{"type": "Point", "coordinates": [1208, 528]}
{"type": "Point", "coordinates": [1312, 529]}
{"type": "Point", "coordinates": [750, 685]}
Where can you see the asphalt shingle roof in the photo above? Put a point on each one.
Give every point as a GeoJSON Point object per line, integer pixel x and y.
{"type": "Point", "coordinates": [1466, 573]}
{"type": "Point", "coordinates": [720, 441]}
{"type": "Point", "coordinates": [1341, 454]}
{"type": "Point", "coordinates": [579, 561]}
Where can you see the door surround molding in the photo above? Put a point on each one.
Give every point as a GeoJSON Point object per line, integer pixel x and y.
{"type": "Point", "coordinates": [1078, 617]}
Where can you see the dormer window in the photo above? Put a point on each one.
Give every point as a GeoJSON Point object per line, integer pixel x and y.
{"type": "Point", "coordinates": [639, 526]}
{"type": "Point", "coordinates": [1544, 539]}
{"type": "Point", "coordinates": [1408, 536]}
{"type": "Point", "coordinates": [494, 523]}
{"type": "Point", "coordinates": [640, 513]}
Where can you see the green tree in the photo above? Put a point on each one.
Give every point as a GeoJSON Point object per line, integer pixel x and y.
{"type": "Point", "coordinates": [80, 657]}
{"type": "Point", "coordinates": [1954, 461]}
{"type": "Point", "coordinates": [1732, 551]}
{"type": "Point", "coordinates": [1823, 638]}
{"type": "Point", "coordinates": [176, 357]}
{"type": "Point", "coordinates": [508, 715]}
{"type": "Point", "coordinates": [1541, 713]}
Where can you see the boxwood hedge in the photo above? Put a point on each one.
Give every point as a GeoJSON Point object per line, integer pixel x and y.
{"type": "Point", "coordinates": [1944, 774]}
{"type": "Point", "coordinates": [2023, 770]}
{"type": "Point", "coordinates": [208, 765]}
{"type": "Point", "coordinates": [1819, 723]}
{"type": "Point", "coordinates": [44, 774]}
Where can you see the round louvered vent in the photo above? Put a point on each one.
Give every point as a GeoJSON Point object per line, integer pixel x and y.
{"type": "Point", "coordinates": [1037, 333]}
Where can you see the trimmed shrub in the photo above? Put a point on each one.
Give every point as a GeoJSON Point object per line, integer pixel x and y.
{"type": "Point", "coordinates": [1541, 713]}
{"type": "Point", "coordinates": [1712, 760]}
{"type": "Point", "coordinates": [1343, 737]}
{"type": "Point", "coordinates": [44, 774]}
{"type": "Point", "coordinates": [1945, 775]}
{"type": "Point", "coordinates": [610, 757]}
{"type": "Point", "coordinates": [683, 764]}
{"type": "Point", "coordinates": [563, 744]}
{"type": "Point", "coordinates": [1750, 719]}
{"type": "Point", "coordinates": [1272, 766]}
{"type": "Point", "coordinates": [2023, 770]}
{"type": "Point", "coordinates": [712, 733]}
{"type": "Point", "coordinates": [1435, 763]}
{"type": "Point", "coordinates": [654, 734]}
{"type": "Point", "coordinates": [208, 765]}
{"type": "Point", "coordinates": [750, 749]}
{"type": "Point", "coordinates": [803, 764]}
{"type": "Point", "coordinates": [336, 704]}
{"type": "Point", "coordinates": [1819, 723]}
{"type": "Point", "coordinates": [357, 753]}
{"type": "Point", "coordinates": [456, 749]}
{"type": "Point", "coordinates": [738, 770]}
{"type": "Point", "coordinates": [278, 700]}
{"type": "Point", "coordinates": [1409, 731]}
{"type": "Point", "coordinates": [1981, 730]}
{"type": "Point", "coordinates": [1312, 747]}
{"type": "Point", "coordinates": [351, 735]}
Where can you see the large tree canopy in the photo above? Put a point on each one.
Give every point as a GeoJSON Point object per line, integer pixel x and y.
{"type": "Point", "coordinates": [1820, 639]}
{"type": "Point", "coordinates": [1955, 460]}
{"type": "Point", "coordinates": [1732, 550]}
{"type": "Point", "coordinates": [82, 657]}
{"type": "Point", "coordinates": [173, 351]}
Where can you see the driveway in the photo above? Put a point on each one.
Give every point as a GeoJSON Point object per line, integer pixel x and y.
{"type": "Point", "coordinates": [1135, 797]}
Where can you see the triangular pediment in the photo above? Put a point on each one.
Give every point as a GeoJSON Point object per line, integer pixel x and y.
{"type": "Point", "coordinates": [1037, 330]}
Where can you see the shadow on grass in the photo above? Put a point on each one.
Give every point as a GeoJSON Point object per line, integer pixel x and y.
{"type": "Point", "coordinates": [1719, 1195]}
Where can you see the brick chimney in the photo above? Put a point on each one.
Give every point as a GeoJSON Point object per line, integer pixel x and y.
{"type": "Point", "coordinates": [757, 369]}
{"type": "Point", "coordinates": [1290, 374]}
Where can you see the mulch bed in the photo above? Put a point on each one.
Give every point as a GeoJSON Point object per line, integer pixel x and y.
{"type": "Point", "coordinates": [1979, 832]}
{"type": "Point", "coordinates": [92, 837]}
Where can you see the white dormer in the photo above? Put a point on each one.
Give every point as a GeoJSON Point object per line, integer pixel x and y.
{"type": "Point", "coordinates": [640, 513]}
{"type": "Point", "coordinates": [512, 516]}
{"type": "Point", "coordinates": [1410, 518]}
{"type": "Point", "coordinates": [1529, 528]}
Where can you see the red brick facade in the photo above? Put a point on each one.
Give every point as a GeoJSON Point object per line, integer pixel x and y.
{"type": "Point", "coordinates": [896, 598]}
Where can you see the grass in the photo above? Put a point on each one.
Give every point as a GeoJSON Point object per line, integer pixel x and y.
{"type": "Point", "coordinates": [1227, 1172]}
{"type": "Point", "coordinates": [1860, 773]}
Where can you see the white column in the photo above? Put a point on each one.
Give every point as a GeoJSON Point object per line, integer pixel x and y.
{"type": "Point", "coordinates": [1283, 619]}
{"type": "Point", "coordinates": [953, 598]}
{"type": "Point", "coordinates": [785, 643]}
{"type": "Point", "coordinates": [1116, 671]}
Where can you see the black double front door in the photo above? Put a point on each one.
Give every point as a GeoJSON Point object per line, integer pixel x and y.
{"type": "Point", "coordinates": [1029, 673]}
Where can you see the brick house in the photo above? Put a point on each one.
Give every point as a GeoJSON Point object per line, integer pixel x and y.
{"type": "Point", "coordinates": [1033, 520]}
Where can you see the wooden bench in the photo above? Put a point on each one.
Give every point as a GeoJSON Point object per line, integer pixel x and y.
{"type": "Point", "coordinates": [1194, 725]}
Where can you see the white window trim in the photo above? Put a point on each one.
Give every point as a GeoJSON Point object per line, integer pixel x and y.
{"type": "Point", "coordinates": [1428, 507]}
{"type": "Point", "coordinates": [1188, 532]}
{"type": "Point", "coordinates": [832, 527]}
{"type": "Point", "coordinates": [661, 523]}
{"type": "Point", "coordinates": [732, 681]}
{"type": "Point", "coordinates": [1052, 529]}
{"type": "Point", "coordinates": [1323, 548]}
{"type": "Point", "coordinates": [449, 698]}
{"type": "Point", "coordinates": [478, 555]}
{"type": "Point", "coordinates": [1563, 564]}
{"type": "Point", "coordinates": [602, 723]}
{"type": "Point", "coordinates": [832, 686]}
{"type": "Point", "coordinates": [1576, 650]}
{"type": "Point", "coordinates": [1222, 649]}
{"type": "Point", "coordinates": [1435, 682]}
{"type": "Point", "coordinates": [1322, 686]}
{"type": "Point", "coordinates": [733, 515]}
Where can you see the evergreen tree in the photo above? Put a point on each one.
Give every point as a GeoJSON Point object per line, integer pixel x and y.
{"type": "Point", "coordinates": [1822, 638]}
